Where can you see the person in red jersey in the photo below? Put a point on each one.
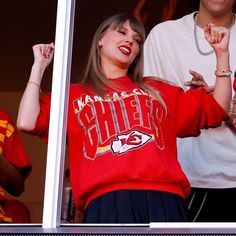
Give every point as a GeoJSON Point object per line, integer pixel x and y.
{"type": "Point", "coordinates": [14, 164]}
{"type": "Point", "coordinates": [122, 128]}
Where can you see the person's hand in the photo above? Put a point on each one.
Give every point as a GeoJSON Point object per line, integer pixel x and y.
{"type": "Point", "coordinates": [43, 54]}
{"type": "Point", "coordinates": [198, 82]}
{"type": "Point", "coordinates": [217, 36]}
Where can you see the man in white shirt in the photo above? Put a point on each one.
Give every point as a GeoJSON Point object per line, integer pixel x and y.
{"type": "Point", "coordinates": [175, 51]}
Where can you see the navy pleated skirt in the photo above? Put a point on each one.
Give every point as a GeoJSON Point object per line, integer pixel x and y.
{"type": "Point", "coordinates": [136, 206]}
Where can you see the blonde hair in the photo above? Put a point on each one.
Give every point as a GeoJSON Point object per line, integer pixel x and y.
{"type": "Point", "coordinates": [93, 74]}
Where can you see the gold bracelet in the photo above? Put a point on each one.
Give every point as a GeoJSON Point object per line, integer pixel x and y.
{"type": "Point", "coordinates": [223, 73]}
{"type": "Point", "coordinates": [37, 85]}
{"type": "Point", "coordinates": [31, 82]}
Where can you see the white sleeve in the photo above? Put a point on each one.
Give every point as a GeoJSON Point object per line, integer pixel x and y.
{"type": "Point", "coordinates": [152, 55]}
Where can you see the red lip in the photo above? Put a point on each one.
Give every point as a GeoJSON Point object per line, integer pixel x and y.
{"type": "Point", "coordinates": [125, 49]}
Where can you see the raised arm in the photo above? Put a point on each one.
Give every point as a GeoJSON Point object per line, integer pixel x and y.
{"type": "Point", "coordinates": [29, 105]}
{"type": "Point", "coordinates": [218, 37]}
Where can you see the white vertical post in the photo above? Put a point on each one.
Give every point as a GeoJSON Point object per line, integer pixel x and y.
{"type": "Point", "coordinates": [58, 114]}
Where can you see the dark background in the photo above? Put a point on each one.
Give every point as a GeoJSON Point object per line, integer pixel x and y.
{"type": "Point", "coordinates": [24, 23]}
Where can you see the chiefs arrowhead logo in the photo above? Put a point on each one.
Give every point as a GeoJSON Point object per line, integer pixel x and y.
{"type": "Point", "coordinates": [126, 142]}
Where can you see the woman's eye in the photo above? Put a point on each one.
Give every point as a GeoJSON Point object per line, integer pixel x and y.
{"type": "Point", "coordinates": [121, 31]}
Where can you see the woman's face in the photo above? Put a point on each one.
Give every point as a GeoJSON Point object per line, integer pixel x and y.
{"type": "Point", "coordinates": [217, 7]}
{"type": "Point", "coordinates": [119, 47]}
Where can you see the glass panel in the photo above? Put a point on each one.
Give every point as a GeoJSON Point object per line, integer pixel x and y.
{"type": "Point", "coordinates": [23, 24]}
{"type": "Point", "coordinates": [88, 18]}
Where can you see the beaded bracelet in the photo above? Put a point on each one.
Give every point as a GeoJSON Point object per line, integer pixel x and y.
{"type": "Point", "coordinates": [223, 73]}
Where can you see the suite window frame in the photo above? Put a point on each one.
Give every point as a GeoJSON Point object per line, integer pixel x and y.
{"type": "Point", "coordinates": [58, 115]}
{"type": "Point", "coordinates": [57, 142]}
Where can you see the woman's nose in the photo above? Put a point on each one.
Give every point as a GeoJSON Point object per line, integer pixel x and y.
{"type": "Point", "coordinates": [129, 39]}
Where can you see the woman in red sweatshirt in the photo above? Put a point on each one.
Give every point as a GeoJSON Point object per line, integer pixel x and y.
{"type": "Point", "coordinates": [122, 128]}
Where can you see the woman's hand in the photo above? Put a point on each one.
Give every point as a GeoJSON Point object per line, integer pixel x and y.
{"type": "Point", "coordinates": [43, 54]}
{"type": "Point", "coordinates": [29, 105]}
{"type": "Point", "coordinates": [218, 37]}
